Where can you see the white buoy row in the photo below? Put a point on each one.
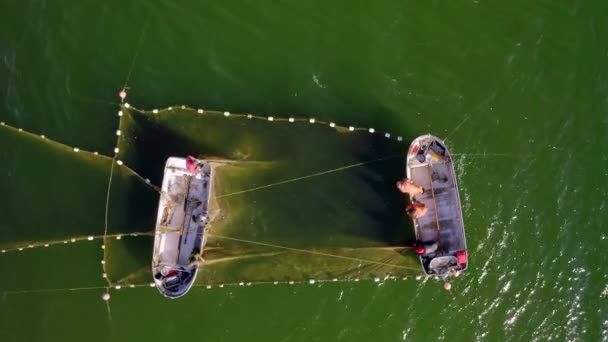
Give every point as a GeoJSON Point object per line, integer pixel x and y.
{"type": "Point", "coordinates": [106, 295]}
{"type": "Point", "coordinates": [44, 137]}
{"type": "Point", "coordinates": [272, 118]}
{"type": "Point", "coordinates": [70, 240]}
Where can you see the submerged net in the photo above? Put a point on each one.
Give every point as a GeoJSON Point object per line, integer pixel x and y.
{"type": "Point", "coordinates": [292, 200]}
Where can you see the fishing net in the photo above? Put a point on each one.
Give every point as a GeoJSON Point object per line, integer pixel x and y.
{"type": "Point", "coordinates": [53, 202]}
{"type": "Point", "coordinates": [292, 200]}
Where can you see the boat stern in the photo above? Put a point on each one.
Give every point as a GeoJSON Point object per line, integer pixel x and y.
{"type": "Point", "coordinates": [174, 281]}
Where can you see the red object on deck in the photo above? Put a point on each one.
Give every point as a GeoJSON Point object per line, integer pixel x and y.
{"type": "Point", "coordinates": [191, 164]}
{"type": "Point", "coordinates": [414, 149]}
{"type": "Point", "coordinates": [461, 256]}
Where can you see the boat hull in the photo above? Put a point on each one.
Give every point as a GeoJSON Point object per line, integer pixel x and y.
{"type": "Point", "coordinates": [180, 225]}
{"type": "Point", "coordinates": [441, 229]}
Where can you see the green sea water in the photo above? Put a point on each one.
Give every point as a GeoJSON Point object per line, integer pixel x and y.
{"type": "Point", "coordinates": [518, 89]}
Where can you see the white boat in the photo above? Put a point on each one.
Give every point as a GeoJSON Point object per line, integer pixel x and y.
{"type": "Point", "coordinates": [441, 228]}
{"type": "Point", "coordinates": [180, 225]}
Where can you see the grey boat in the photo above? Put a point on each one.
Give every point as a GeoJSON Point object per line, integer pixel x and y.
{"type": "Point", "coordinates": [180, 225]}
{"type": "Point", "coordinates": [429, 164]}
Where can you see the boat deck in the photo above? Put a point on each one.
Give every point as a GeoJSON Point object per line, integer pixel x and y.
{"type": "Point", "coordinates": [443, 220]}
{"type": "Point", "coordinates": [184, 214]}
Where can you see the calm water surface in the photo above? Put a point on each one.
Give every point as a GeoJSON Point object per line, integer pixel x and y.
{"type": "Point", "coordinates": [518, 88]}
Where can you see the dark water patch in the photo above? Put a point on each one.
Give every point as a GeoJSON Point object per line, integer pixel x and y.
{"type": "Point", "coordinates": [49, 191]}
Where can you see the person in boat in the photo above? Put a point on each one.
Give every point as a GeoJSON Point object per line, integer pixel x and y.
{"type": "Point", "coordinates": [192, 164]}
{"type": "Point", "coordinates": [416, 210]}
{"type": "Point", "coordinates": [406, 186]}
{"type": "Point", "coordinates": [425, 249]}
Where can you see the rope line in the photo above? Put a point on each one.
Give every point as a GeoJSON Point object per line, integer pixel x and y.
{"type": "Point", "coordinates": [307, 176]}
{"type": "Point", "coordinates": [51, 141]}
{"type": "Point", "coordinates": [11, 292]}
{"type": "Point", "coordinates": [137, 49]}
{"type": "Point", "coordinates": [484, 154]}
{"type": "Point", "coordinates": [105, 232]}
{"type": "Point", "coordinates": [73, 240]}
{"type": "Point", "coordinates": [209, 286]}
{"type": "Point", "coordinates": [466, 118]}
{"type": "Point", "coordinates": [315, 252]}
{"type": "Point", "coordinates": [259, 117]}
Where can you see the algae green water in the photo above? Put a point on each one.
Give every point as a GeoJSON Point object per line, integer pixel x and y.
{"type": "Point", "coordinates": [518, 88]}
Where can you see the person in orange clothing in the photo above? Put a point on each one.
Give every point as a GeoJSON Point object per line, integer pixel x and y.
{"type": "Point", "coordinates": [416, 210]}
